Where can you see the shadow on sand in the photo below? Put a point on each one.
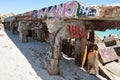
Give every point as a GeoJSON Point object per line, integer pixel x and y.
{"type": "Point", "coordinates": [68, 70]}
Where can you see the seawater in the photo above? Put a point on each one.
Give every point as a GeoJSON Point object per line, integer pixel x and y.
{"type": "Point", "coordinates": [101, 34]}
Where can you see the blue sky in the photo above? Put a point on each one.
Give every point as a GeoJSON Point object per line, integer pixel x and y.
{"type": "Point", "coordinates": [101, 34]}
{"type": "Point", "coordinates": [21, 6]}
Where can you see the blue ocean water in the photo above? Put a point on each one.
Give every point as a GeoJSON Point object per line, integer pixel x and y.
{"type": "Point", "coordinates": [101, 34]}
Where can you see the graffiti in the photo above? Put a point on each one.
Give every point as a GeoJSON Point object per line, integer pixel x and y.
{"type": "Point", "coordinates": [76, 31]}
{"type": "Point", "coordinates": [63, 10]}
{"type": "Point", "coordinates": [85, 11]}
{"type": "Point", "coordinates": [34, 14]}
{"type": "Point", "coordinates": [68, 10]}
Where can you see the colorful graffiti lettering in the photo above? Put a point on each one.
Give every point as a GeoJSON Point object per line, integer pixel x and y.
{"type": "Point", "coordinates": [85, 11]}
{"type": "Point", "coordinates": [68, 10]}
{"type": "Point", "coordinates": [76, 31]}
{"type": "Point", "coordinates": [59, 11]}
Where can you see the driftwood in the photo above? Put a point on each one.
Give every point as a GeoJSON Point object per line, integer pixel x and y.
{"type": "Point", "coordinates": [92, 60]}
{"type": "Point", "coordinates": [84, 56]}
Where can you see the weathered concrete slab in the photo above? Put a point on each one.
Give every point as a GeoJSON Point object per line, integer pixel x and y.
{"type": "Point", "coordinates": [117, 50]}
{"type": "Point", "coordinates": [101, 45]}
{"type": "Point", "coordinates": [114, 67]}
{"type": "Point", "coordinates": [107, 54]}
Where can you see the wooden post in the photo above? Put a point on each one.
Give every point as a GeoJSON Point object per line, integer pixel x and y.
{"type": "Point", "coordinates": [84, 49]}
{"type": "Point", "coordinates": [84, 56]}
{"type": "Point", "coordinates": [78, 52]}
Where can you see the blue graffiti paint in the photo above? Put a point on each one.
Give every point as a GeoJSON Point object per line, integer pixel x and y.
{"type": "Point", "coordinates": [86, 11]}
{"type": "Point", "coordinates": [67, 10]}
{"type": "Point", "coordinates": [34, 14]}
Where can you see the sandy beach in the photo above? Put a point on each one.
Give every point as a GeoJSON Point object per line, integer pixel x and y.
{"type": "Point", "coordinates": [23, 61]}
{"type": "Point", "coordinates": [50, 40]}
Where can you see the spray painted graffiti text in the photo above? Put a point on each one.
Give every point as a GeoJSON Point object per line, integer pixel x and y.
{"type": "Point", "coordinates": [68, 10]}
{"type": "Point", "coordinates": [76, 31]}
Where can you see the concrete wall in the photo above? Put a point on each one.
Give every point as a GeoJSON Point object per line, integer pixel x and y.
{"type": "Point", "coordinates": [60, 29]}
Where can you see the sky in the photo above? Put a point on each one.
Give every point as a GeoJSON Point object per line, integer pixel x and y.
{"type": "Point", "coordinates": [101, 34]}
{"type": "Point", "coordinates": [21, 6]}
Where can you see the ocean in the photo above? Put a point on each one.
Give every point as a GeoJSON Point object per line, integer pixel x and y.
{"type": "Point", "coordinates": [101, 34]}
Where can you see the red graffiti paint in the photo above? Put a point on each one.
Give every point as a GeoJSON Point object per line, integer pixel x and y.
{"type": "Point", "coordinates": [76, 31]}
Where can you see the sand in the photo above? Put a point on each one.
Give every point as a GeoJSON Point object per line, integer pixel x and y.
{"type": "Point", "coordinates": [24, 61]}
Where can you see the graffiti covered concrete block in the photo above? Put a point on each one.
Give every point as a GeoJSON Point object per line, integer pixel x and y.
{"type": "Point", "coordinates": [67, 10]}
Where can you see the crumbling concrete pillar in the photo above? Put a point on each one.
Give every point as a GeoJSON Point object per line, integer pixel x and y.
{"type": "Point", "coordinates": [53, 66]}
{"type": "Point", "coordinates": [22, 29]}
